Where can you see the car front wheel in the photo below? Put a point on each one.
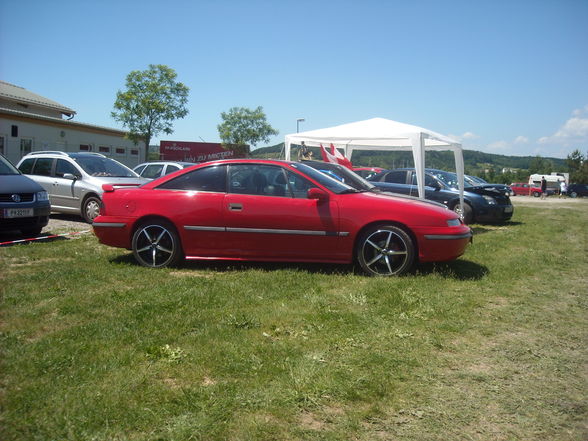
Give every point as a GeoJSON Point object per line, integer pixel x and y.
{"type": "Point", "coordinates": [573, 194]}
{"type": "Point", "coordinates": [385, 250]}
{"type": "Point", "coordinates": [467, 214]}
{"type": "Point", "coordinates": [156, 245]}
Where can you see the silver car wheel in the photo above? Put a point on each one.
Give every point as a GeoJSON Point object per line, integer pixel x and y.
{"type": "Point", "coordinates": [91, 209]}
{"type": "Point", "coordinates": [156, 245]}
{"type": "Point", "coordinates": [386, 251]}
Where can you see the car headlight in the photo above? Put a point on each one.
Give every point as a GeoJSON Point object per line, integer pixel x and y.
{"type": "Point", "coordinates": [453, 222]}
{"type": "Point", "coordinates": [490, 200]}
{"type": "Point", "coordinates": [42, 196]}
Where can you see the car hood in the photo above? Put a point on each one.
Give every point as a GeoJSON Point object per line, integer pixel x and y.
{"type": "Point", "coordinates": [18, 184]}
{"type": "Point", "coordinates": [120, 181]}
{"type": "Point", "coordinates": [490, 190]}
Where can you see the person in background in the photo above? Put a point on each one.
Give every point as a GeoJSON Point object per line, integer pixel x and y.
{"type": "Point", "coordinates": [563, 188]}
{"type": "Point", "coordinates": [543, 187]}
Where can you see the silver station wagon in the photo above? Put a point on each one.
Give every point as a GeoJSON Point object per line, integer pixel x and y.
{"type": "Point", "coordinates": [74, 180]}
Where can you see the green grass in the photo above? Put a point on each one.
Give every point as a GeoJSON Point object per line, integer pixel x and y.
{"type": "Point", "coordinates": [489, 347]}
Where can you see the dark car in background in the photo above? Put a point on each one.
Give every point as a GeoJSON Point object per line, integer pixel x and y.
{"type": "Point", "coordinates": [24, 204]}
{"type": "Point", "coordinates": [481, 203]}
{"type": "Point", "coordinates": [575, 190]}
{"type": "Point", "coordinates": [476, 181]}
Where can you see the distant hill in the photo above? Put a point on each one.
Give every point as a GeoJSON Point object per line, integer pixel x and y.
{"type": "Point", "coordinates": [475, 163]}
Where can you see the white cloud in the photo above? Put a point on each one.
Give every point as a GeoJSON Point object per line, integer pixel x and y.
{"type": "Point", "coordinates": [466, 135]}
{"type": "Point", "coordinates": [498, 145]}
{"type": "Point", "coordinates": [574, 131]}
{"type": "Point", "coordinates": [521, 140]}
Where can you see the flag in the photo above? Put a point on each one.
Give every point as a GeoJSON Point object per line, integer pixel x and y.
{"type": "Point", "coordinates": [340, 158]}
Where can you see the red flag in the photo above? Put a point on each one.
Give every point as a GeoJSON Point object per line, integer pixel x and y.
{"type": "Point", "coordinates": [340, 158]}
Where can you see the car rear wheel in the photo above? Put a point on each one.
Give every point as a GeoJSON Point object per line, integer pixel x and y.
{"type": "Point", "coordinates": [385, 250]}
{"type": "Point", "coordinates": [156, 245]}
{"type": "Point", "coordinates": [536, 194]}
{"type": "Point", "coordinates": [91, 208]}
{"type": "Point", "coordinates": [573, 194]}
{"type": "Point", "coordinates": [467, 214]}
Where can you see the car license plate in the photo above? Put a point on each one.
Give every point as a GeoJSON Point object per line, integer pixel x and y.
{"type": "Point", "coordinates": [18, 212]}
{"type": "Point", "coordinates": [508, 209]}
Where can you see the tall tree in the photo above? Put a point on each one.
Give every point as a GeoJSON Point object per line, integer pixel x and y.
{"type": "Point", "coordinates": [245, 126]}
{"type": "Point", "coordinates": [152, 100]}
{"type": "Point", "coordinates": [578, 167]}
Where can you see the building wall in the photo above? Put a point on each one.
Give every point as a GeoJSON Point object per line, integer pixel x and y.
{"type": "Point", "coordinates": [38, 134]}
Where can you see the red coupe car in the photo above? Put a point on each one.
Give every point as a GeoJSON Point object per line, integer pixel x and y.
{"type": "Point", "coordinates": [268, 210]}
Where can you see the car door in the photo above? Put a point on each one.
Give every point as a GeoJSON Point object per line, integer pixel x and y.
{"type": "Point", "coordinates": [434, 190]}
{"type": "Point", "coordinates": [194, 202]}
{"type": "Point", "coordinates": [64, 194]}
{"type": "Point", "coordinates": [267, 221]}
{"type": "Point", "coordinates": [41, 173]}
{"type": "Point", "coordinates": [394, 181]}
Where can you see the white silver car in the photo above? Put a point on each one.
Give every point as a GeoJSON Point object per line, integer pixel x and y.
{"type": "Point", "coordinates": [74, 180]}
{"type": "Point", "coordinates": [157, 169]}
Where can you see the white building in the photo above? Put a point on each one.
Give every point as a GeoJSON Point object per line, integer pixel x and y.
{"type": "Point", "coordinates": [30, 122]}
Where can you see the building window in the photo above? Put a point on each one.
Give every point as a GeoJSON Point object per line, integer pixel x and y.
{"type": "Point", "coordinates": [2, 145]}
{"type": "Point", "coordinates": [26, 146]}
{"type": "Point", "coordinates": [134, 152]}
{"type": "Point", "coordinates": [120, 151]}
{"type": "Point", "coordinates": [85, 148]}
{"type": "Point", "coordinates": [104, 149]}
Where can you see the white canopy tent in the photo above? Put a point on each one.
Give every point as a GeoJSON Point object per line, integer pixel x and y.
{"type": "Point", "coordinates": [384, 135]}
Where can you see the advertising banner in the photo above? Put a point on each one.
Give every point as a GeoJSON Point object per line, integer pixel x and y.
{"type": "Point", "coordinates": [199, 151]}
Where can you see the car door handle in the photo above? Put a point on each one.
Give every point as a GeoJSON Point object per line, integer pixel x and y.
{"type": "Point", "coordinates": [235, 207]}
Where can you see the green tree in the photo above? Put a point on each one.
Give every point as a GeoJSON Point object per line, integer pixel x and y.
{"type": "Point", "coordinates": [539, 165]}
{"type": "Point", "coordinates": [578, 167]}
{"type": "Point", "coordinates": [152, 100]}
{"type": "Point", "coordinates": [243, 126]}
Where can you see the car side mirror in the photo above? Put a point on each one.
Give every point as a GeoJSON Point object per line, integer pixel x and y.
{"type": "Point", "coordinates": [70, 176]}
{"type": "Point", "coordinates": [318, 194]}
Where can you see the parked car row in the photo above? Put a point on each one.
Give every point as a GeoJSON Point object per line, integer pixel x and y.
{"type": "Point", "coordinates": [482, 202]}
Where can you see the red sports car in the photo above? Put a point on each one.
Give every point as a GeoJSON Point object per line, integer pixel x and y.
{"type": "Point", "coordinates": [275, 211]}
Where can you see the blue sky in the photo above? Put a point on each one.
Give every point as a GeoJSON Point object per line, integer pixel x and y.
{"type": "Point", "coordinates": [506, 77]}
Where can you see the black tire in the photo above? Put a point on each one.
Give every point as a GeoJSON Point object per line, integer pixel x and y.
{"type": "Point", "coordinates": [467, 214]}
{"type": "Point", "coordinates": [573, 194]}
{"type": "Point", "coordinates": [536, 194]}
{"type": "Point", "coordinates": [91, 208]}
{"type": "Point", "coordinates": [385, 250]}
{"type": "Point", "coordinates": [156, 244]}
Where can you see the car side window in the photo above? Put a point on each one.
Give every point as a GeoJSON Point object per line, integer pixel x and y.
{"type": "Point", "coordinates": [396, 177]}
{"type": "Point", "coordinates": [430, 181]}
{"type": "Point", "coordinates": [171, 168]}
{"type": "Point", "coordinates": [27, 166]}
{"type": "Point", "coordinates": [203, 179]}
{"type": "Point", "coordinates": [43, 166]}
{"type": "Point", "coordinates": [139, 170]}
{"type": "Point", "coordinates": [262, 180]}
{"type": "Point", "coordinates": [62, 167]}
{"type": "Point", "coordinates": [299, 185]}
{"type": "Point", "coordinates": [152, 171]}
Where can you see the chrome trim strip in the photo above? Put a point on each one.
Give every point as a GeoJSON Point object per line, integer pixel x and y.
{"type": "Point", "coordinates": [266, 231]}
{"type": "Point", "coordinates": [109, 224]}
{"type": "Point", "coordinates": [448, 236]}
{"type": "Point", "coordinates": [295, 232]}
{"type": "Point", "coordinates": [199, 228]}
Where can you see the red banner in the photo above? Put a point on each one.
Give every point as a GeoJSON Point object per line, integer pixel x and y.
{"type": "Point", "coordinates": [198, 151]}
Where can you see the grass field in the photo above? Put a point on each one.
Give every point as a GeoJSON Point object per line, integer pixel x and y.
{"type": "Point", "coordinates": [489, 347]}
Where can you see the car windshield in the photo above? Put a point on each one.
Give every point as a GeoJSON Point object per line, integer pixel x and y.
{"type": "Point", "coordinates": [97, 166]}
{"type": "Point", "coordinates": [333, 184]}
{"type": "Point", "coordinates": [343, 174]}
{"type": "Point", "coordinates": [449, 179]}
{"type": "Point", "coordinates": [6, 168]}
